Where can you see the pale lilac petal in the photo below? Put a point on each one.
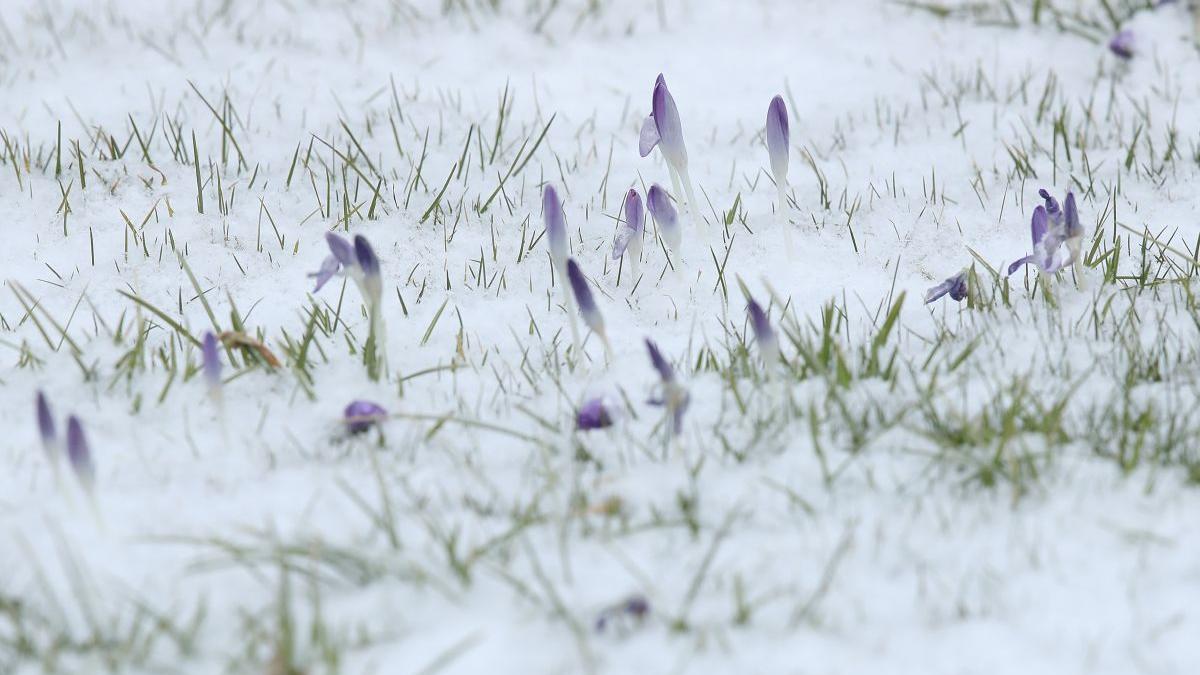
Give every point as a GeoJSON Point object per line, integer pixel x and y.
{"type": "Point", "coordinates": [778, 137]}
{"type": "Point", "coordinates": [556, 229]}
{"type": "Point", "coordinates": [329, 269]}
{"type": "Point", "coordinates": [341, 249]}
{"type": "Point", "coordinates": [648, 138]}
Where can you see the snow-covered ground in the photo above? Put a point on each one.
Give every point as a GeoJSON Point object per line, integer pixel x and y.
{"type": "Point", "coordinates": [1006, 484]}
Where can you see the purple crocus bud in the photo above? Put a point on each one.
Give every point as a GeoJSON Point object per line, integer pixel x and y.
{"type": "Point", "coordinates": [79, 454]}
{"type": "Point", "coordinates": [674, 397]}
{"type": "Point", "coordinates": [670, 129]}
{"type": "Point", "coordinates": [46, 428]}
{"type": "Point", "coordinates": [630, 234]}
{"type": "Point", "coordinates": [583, 296]}
{"type": "Point", "coordinates": [658, 202]}
{"type": "Point", "coordinates": [593, 414]}
{"type": "Point", "coordinates": [1122, 44]}
{"type": "Point", "coordinates": [368, 262]}
{"type": "Point", "coordinates": [778, 139]}
{"type": "Point", "coordinates": [211, 363]}
{"type": "Point", "coordinates": [556, 229]}
{"type": "Point", "coordinates": [360, 416]}
{"type": "Point", "coordinates": [955, 286]}
{"type": "Point", "coordinates": [768, 343]}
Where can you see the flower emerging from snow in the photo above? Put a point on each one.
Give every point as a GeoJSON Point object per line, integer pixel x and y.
{"type": "Point", "coordinates": [778, 138]}
{"type": "Point", "coordinates": [673, 396]}
{"type": "Point", "coordinates": [764, 335]}
{"type": "Point", "coordinates": [1051, 227]}
{"type": "Point", "coordinates": [360, 416]}
{"type": "Point", "coordinates": [662, 129]}
{"type": "Point", "coordinates": [955, 286]}
{"type": "Point", "coordinates": [1121, 44]}
{"type": "Point", "coordinates": [211, 364]}
{"type": "Point", "coordinates": [79, 454]}
{"type": "Point", "coordinates": [658, 202]}
{"type": "Point", "coordinates": [556, 229]}
{"type": "Point", "coordinates": [586, 301]}
{"type": "Point", "coordinates": [46, 428]}
{"type": "Point", "coordinates": [593, 414]}
{"type": "Point", "coordinates": [629, 237]}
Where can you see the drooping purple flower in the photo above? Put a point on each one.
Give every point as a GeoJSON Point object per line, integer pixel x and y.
{"type": "Point", "coordinates": [778, 139]}
{"type": "Point", "coordinates": [368, 262]}
{"type": "Point", "coordinates": [583, 297]}
{"type": "Point", "coordinates": [955, 286]}
{"type": "Point", "coordinates": [674, 398]}
{"type": "Point", "coordinates": [658, 202]}
{"type": "Point", "coordinates": [593, 414]}
{"type": "Point", "coordinates": [629, 236]}
{"type": "Point", "coordinates": [211, 362]}
{"type": "Point", "coordinates": [79, 454]}
{"type": "Point", "coordinates": [556, 229]}
{"type": "Point", "coordinates": [360, 416]}
{"type": "Point", "coordinates": [1122, 44]}
{"type": "Point", "coordinates": [341, 254]}
{"type": "Point", "coordinates": [46, 427]}
{"type": "Point", "coordinates": [764, 334]}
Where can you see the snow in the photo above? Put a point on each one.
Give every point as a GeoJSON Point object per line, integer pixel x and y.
{"type": "Point", "coordinates": [903, 561]}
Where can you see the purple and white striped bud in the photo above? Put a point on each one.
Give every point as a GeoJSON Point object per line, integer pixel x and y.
{"type": "Point", "coordinates": [778, 139]}
{"type": "Point", "coordinates": [210, 364]}
{"type": "Point", "coordinates": [629, 236]}
{"type": "Point", "coordinates": [556, 228]}
{"type": "Point", "coordinates": [46, 428]}
{"type": "Point", "coordinates": [593, 414]}
{"type": "Point", "coordinates": [668, 126]}
{"type": "Point", "coordinates": [658, 202]}
{"type": "Point", "coordinates": [764, 335]}
{"type": "Point", "coordinates": [360, 416]}
{"type": "Point", "coordinates": [79, 454]}
{"type": "Point", "coordinates": [368, 262]}
{"type": "Point", "coordinates": [583, 297]}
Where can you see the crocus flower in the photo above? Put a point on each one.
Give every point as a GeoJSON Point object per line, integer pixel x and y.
{"type": "Point", "coordinates": [634, 608]}
{"type": "Point", "coordinates": [211, 364]}
{"type": "Point", "coordinates": [955, 286]}
{"type": "Point", "coordinates": [662, 129]}
{"type": "Point", "coordinates": [674, 397]}
{"type": "Point", "coordinates": [556, 229]}
{"type": "Point", "coordinates": [1121, 44]}
{"type": "Point", "coordinates": [1045, 245]}
{"type": "Point", "coordinates": [1074, 233]}
{"type": "Point", "coordinates": [368, 262]}
{"type": "Point", "coordinates": [79, 454]}
{"type": "Point", "coordinates": [778, 139]}
{"type": "Point", "coordinates": [1052, 226]}
{"type": "Point", "coordinates": [341, 255]}
{"type": "Point", "coordinates": [629, 237]}
{"type": "Point", "coordinates": [593, 414]}
{"type": "Point", "coordinates": [659, 204]}
{"type": "Point", "coordinates": [587, 303]}
{"type": "Point", "coordinates": [360, 416]}
{"type": "Point", "coordinates": [764, 335]}
{"type": "Point", "coordinates": [46, 427]}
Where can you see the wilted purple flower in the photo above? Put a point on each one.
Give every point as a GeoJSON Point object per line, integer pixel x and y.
{"type": "Point", "coordinates": [1121, 44]}
{"type": "Point", "coordinates": [341, 255]}
{"type": "Point", "coordinates": [778, 139]}
{"type": "Point", "coordinates": [658, 202]}
{"type": "Point", "coordinates": [635, 608]}
{"type": "Point", "coordinates": [362, 415]}
{"type": "Point", "coordinates": [955, 286]}
{"type": "Point", "coordinates": [556, 229]}
{"type": "Point", "coordinates": [673, 397]}
{"type": "Point", "coordinates": [629, 236]}
{"type": "Point", "coordinates": [79, 454]}
{"type": "Point", "coordinates": [1051, 227]}
{"type": "Point", "coordinates": [587, 303]}
{"type": "Point", "coordinates": [46, 427]}
{"type": "Point", "coordinates": [764, 335]}
{"type": "Point", "coordinates": [593, 414]}
{"type": "Point", "coordinates": [211, 363]}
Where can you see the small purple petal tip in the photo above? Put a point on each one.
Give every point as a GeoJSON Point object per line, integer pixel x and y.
{"type": "Point", "coordinates": [593, 415]}
{"type": "Point", "coordinates": [360, 416]}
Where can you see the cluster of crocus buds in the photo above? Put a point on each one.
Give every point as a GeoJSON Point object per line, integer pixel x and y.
{"type": "Point", "coordinates": [78, 453]}
{"type": "Point", "coordinates": [672, 396]}
{"type": "Point", "coordinates": [662, 129]}
{"type": "Point", "coordinates": [1051, 227]}
{"type": "Point", "coordinates": [360, 416]}
{"type": "Point", "coordinates": [629, 235]}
